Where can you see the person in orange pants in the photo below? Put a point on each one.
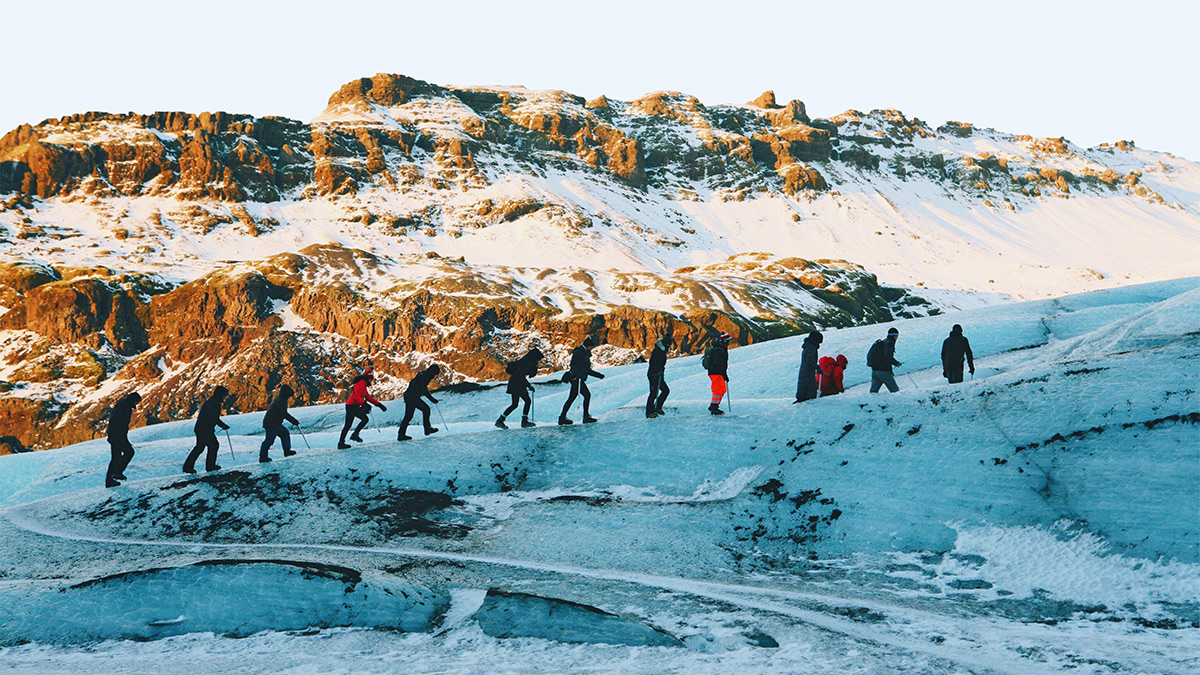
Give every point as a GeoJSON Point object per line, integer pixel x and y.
{"type": "Point", "coordinates": [716, 362]}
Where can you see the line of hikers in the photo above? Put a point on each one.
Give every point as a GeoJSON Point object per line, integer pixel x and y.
{"type": "Point", "coordinates": [818, 377]}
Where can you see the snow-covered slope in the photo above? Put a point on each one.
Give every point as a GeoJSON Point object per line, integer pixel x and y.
{"type": "Point", "coordinates": [1037, 518]}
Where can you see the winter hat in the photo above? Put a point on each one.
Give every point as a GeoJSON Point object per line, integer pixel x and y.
{"type": "Point", "coordinates": [435, 369]}
{"type": "Point", "coordinates": [816, 336]}
{"type": "Point", "coordinates": [957, 329]}
{"type": "Point", "coordinates": [668, 341]}
{"type": "Point", "coordinates": [589, 342]}
{"type": "Point", "coordinates": [286, 391]}
{"type": "Point", "coordinates": [893, 331]}
{"type": "Point", "coordinates": [842, 360]}
{"type": "Point", "coordinates": [135, 397]}
{"type": "Point", "coordinates": [535, 354]}
{"type": "Point", "coordinates": [369, 373]}
{"type": "Point", "coordinates": [724, 337]}
{"type": "Point", "coordinates": [220, 392]}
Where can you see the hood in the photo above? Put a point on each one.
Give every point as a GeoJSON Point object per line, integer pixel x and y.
{"type": "Point", "coordinates": [534, 354]}
{"type": "Point", "coordinates": [826, 362]}
{"type": "Point", "coordinates": [842, 360]}
{"type": "Point", "coordinates": [286, 391]}
{"type": "Point", "coordinates": [134, 398]}
{"type": "Point", "coordinates": [220, 393]}
{"type": "Point", "coordinates": [433, 370]}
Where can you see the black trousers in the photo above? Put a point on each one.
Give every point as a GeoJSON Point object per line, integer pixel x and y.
{"type": "Point", "coordinates": [353, 412]}
{"type": "Point", "coordinates": [122, 452]}
{"type": "Point", "coordinates": [954, 375]}
{"type": "Point", "coordinates": [516, 400]}
{"type": "Point", "coordinates": [410, 408]}
{"type": "Point", "coordinates": [276, 432]}
{"type": "Point", "coordinates": [578, 387]}
{"type": "Point", "coordinates": [204, 440]}
{"type": "Point", "coordinates": [659, 391]}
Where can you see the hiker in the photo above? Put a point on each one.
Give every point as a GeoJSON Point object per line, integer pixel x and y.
{"type": "Point", "coordinates": [418, 388]}
{"type": "Point", "coordinates": [954, 348]}
{"type": "Point", "coordinates": [357, 407]}
{"type": "Point", "coordinates": [881, 359]}
{"type": "Point", "coordinates": [273, 423]}
{"type": "Point", "coordinates": [206, 434]}
{"type": "Point", "coordinates": [659, 391]}
{"type": "Point", "coordinates": [519, 372]}
{"type": "Point", "coordinates": [829, 375]}
{"type": "Point", "coordinates": [716, 362]}
{"type": "Point", "coordinates": [806, 383]}
{"type": "Point", "coordinates": [577, 375]}
{"type": "Point", "coordinates": [118, 438]}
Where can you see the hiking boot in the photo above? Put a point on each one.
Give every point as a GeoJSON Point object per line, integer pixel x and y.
{"type": "Point", "coordinates": [404, 437]}
{"type": "Point", "coordinates": [431, 430]}
{"type": "Point", "coordinates": [214, 467]}
{"type": "Point", "coordinates": [120, 476]}
{"type": "Point", "coordinates": [111, 483]}
{"type": "Point", "coordinates": [525, 423]}
{"type": "Point", "coordinates": [650, 414]}
{"type": "Point", "coordinates": [263, 460]}
{"type": "Point", "coordinates": [659, 412]}
{"type": "Point", "coordinates": [563, 421]}
{"type": "Point", "coordinates": [189, 469]}
{"type": "Point", "coordinates": [356, 438]}
{"type": "Point", "coordinates": [500, 423]}
{"type": "Point", "coordinates": [288, 453]}
{"type": "Point", "coordinates": [343, 446]}
{"type": "Point", "coordinates": [715, 410]}
{"type": "Point", "coordinates": [588, 419]}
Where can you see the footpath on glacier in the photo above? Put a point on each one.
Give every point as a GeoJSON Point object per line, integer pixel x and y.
{"type": "Point", "coordinates": [1040, 516]}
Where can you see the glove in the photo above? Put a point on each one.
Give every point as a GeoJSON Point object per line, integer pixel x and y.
{"type": "Point", "coordinates": [225, 426]}
{"type": "Point", "coordinates": [600, 375]}
{"type": "Point", "coordinates": [433, 399]}
{"type": "Point", "coordinates": [726, 378]}
{"type": "Point", "coordinates": [381, 407]}
{"type": "Point", "coordinates": [530, 386]}
{"type": "Point", "coordinates": [972, 370]}
{"type": "Point", "coordinates": [898, 364]}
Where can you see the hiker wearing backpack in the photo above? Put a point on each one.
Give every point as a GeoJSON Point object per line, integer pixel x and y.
{"type": "Point", "coordinates": [954, 348]}
{"type": "Point", "coordinates": [716, 362]}
{"type": "Point", "coordinates": [806, 383]}
{"type": "Point", "coordinates": [357, 407]}
{"type": "Point", "coordinates": [659, 391]}
{"type": "Point", "coordinates": [881, 359]}
{"type": "Point", "coordinates": [273, 423]}
{"type": "Point", "coordinates": [118, 438]}
{"type": "Point", "coordinates": [577, 375]}
{"type": "Point", "coordinates": [206, 432]}
{"type": "Point", "coordinates": [519, 372]}
{"type": "Point", "coordinates": [829, 374]}
{"type": "Point", "coordinates": [418, 388]}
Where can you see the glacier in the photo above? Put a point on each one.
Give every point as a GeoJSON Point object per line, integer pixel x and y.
{"type": "Point", "coordinates": [1042, 516]}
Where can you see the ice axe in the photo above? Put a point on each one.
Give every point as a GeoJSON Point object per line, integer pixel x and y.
{"type": "Point", "coordinates": [230, 442]}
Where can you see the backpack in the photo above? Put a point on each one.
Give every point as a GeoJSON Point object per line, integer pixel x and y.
{"type": "Point", "coordinates": [874, 355]}
{"type": "Point", "coordinates": [706, 360]}
{"type": "Point", "coordinates": [511, 367]}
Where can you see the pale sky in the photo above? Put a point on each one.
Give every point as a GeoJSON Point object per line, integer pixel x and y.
{"type": "Point", "coordinates": [1090, 71]}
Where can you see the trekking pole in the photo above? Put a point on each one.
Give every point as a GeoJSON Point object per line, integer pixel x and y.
{"type": "Point", "coordinates": [230, 442]}
{"type": "Point", "coordinates": [910, 379]}
{"type": "Point", "coordinates": [728, 399]}
{"type": "Point", "coordinates": [301, 430]}
{"type": "Point", "coordinates": [439, 409]}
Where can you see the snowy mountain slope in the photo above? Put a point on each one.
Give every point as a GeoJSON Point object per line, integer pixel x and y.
{"type": "Point", "coordinates": [1037, 518]}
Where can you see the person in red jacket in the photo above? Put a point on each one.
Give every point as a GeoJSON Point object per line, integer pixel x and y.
{"type": "Point", "coordinates": [357, 406]}
{"type": "Point", "coordinates": [829, 374]}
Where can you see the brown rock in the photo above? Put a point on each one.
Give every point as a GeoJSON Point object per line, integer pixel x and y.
{"type": "Point", "coordinates": [765, 100]}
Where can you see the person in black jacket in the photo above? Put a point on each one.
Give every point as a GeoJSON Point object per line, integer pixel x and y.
{"type": "Point", "coordinates": [418, 388]}
{"type": "Point", "coordinates": [880, 359]}
{"type": "Point", "coordinates": [655, 373]}
{"type": "Point", "coordinates": [206, 434]}
{"type": "Point", "coordinates": [273, 423]}
{"type": "Point", "coordinates": [519, 372]}
{"type": "Point", "coordinates": [577, 375]}
{"type": "Point", "coordinates": [118, 438]}
{"type": "Point", "coordinates": [716, 362]}
{"type": "Point", "coordinates": [806, 385]}
{"type": "Point", "coordinates": [954, 348]}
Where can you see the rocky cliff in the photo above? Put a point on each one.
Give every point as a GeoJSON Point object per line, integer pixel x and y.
{"type": "Point", "coordinates": [412, 223]}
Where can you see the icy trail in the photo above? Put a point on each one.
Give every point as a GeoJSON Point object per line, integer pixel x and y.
{"type": "Point", "coordinates": [1040, 517]}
